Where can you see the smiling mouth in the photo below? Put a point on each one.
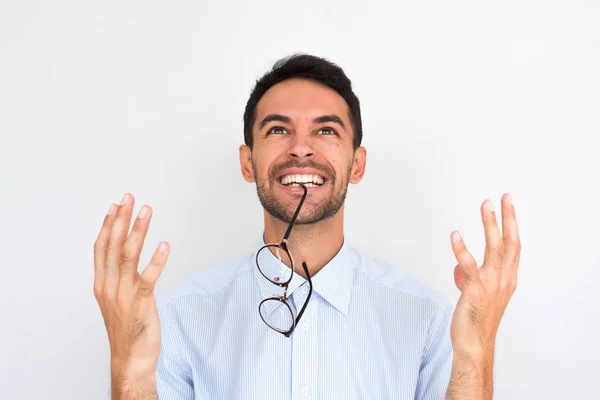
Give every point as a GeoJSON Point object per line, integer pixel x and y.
{"type": "Point", "coordinates": [308, 180]}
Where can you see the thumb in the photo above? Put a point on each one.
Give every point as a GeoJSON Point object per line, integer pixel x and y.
{"type": "Point", "coordinates": [467, 265]}
{"type": "Point", "coordinates": [459, 278]}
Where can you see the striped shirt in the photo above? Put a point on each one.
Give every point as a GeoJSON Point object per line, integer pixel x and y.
{"type": "Point", "coordinates": [370, 331]}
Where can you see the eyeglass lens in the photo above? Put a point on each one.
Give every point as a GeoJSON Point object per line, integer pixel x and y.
{"type": "Point", "coordinates": [275, 264]}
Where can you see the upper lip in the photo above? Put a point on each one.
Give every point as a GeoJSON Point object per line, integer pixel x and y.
{"type": "Point", "coordinates": [301, 171]}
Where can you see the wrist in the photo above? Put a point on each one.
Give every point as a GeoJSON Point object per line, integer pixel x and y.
{"type": "Point", "coordinates": [132, 370]}
{"type": "Point", "coordinates": [479, 352]}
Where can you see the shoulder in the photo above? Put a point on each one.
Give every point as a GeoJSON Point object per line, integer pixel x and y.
{"type": "Point", "coordinates": [399, 283]}
{"type": "Point", "coordinates": [206, 283]}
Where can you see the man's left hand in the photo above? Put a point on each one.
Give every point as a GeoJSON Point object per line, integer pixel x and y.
{"type": "Point", "coordinates": [486, 291]}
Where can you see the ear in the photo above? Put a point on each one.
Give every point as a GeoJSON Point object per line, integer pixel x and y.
{"type": "Point", "coordinates": [246, 163]}
{"type": "Point", "coordinates": [358, 165]}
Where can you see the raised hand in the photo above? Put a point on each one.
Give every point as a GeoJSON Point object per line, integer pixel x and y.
{"type": "Point", "coordinates": [126, 297]}
{"type": "Point", "coordinates": [486, 292]}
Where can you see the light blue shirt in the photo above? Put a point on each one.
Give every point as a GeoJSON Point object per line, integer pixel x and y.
{"type": "Point", "coordinates": [370, 331]}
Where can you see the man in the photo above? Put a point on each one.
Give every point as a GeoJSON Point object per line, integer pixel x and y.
{"type": "Point", "coordinates": [341, 326]}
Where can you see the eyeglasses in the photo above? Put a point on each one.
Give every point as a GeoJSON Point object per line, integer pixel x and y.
{"type": "Point", "coordinates": [280, 272]}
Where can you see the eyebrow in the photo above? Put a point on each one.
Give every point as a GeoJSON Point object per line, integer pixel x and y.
{"type": "Point", "coordinates": [274, 117]}
{"type": "Point", "coordinates": [287, 120]}
{"type": "Point", "coordinates": [329, 118]}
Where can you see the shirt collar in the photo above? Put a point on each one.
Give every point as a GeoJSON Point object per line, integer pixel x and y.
{"type": "Point", "coordinates": [333, 282]}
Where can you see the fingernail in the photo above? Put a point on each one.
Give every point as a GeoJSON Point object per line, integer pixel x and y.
{"type": "Point", "coordinates": [509, 199]}
{"type": "Point", "coordinates": [125, 199]}
{"type": "Point", "coordinates": [490, 205]}
{"type": "Point", "coordinates": [143, 212]}
{"type": "Point", "coordinates": [111, 209]}
{"type": "Point", "coordinates": [162, 247]}
{"type": "Point", "coordinates": [456, 236]}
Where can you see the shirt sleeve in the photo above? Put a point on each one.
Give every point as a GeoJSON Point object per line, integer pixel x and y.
{"type": "Point", "coordinates": [436, 365]}
{"type": "Point", "coordinates": [173, 374]}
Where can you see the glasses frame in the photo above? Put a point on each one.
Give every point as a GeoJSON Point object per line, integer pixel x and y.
{"type": "Point", "coordinates": [284, 299]}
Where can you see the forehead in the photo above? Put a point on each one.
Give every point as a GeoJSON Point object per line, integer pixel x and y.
{"type": "Point", "coordinates": [302, 98]}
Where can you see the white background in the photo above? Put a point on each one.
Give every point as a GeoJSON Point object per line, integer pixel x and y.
{"type": "Point", "coordinates": [461, 101]}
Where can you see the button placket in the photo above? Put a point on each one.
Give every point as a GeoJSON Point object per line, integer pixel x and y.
{"type": "Point", "coordinates": [305, 349]}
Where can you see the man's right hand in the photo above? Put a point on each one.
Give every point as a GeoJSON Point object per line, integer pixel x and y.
{"type": "Point", "coordinates": [126, 299]}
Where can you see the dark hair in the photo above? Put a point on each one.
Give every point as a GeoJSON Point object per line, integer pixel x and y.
{"type": "Point", "coordinates": [304, 66]}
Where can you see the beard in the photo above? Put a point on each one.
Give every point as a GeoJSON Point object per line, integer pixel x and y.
{"type": "Point", "coordinates": [311, 212]}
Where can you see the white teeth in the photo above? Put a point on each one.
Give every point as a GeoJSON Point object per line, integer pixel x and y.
{"type": "Point", "coordinates": [308, 179]}
{"type": "Point", "coordinates": [308, 184]}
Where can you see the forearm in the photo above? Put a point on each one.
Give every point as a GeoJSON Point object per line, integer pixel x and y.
{"type": "Point", "coordinates": [471, 378]}
{"type": "Point", "coordinates": [138, 389]}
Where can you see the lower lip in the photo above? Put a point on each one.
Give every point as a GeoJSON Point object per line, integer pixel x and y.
{"type": "Point", "coordinates": [298, 188]}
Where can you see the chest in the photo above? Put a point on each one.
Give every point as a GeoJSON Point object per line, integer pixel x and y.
{"type": "Point", "coordinates": [329, 356]}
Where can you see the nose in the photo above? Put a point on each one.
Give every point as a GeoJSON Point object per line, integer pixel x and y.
{"type": "Point", "coordinates": [302, 146]}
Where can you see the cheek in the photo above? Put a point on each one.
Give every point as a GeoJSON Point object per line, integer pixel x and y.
{"type": "Point", "coordinates": [263, 167]}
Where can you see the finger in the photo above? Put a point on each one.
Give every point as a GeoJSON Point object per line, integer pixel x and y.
{"type": "Point", "coordinates": [466, 262]}
{"type": "Point", "coordinates": [510, 233]}
{"type": "Point", "coordinates": [114, 246]}
{"type": "Point", "coordinates": [132, 249]}
{"type": "Point", "coordinates": [99, 248]}
{"type": "Point", "coordinates": [153, 270]}
{"type": "Point", "coordinates": [494, 246]}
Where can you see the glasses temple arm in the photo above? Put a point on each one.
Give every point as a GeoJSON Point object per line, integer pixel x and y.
{"type": "Point", "coordinates": [309, 293]}
{"type": "Point", "coordinates": [289, 229]}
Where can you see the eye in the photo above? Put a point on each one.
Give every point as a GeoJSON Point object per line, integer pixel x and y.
{"type": "Point", "coordinates": [327, 131]}
{"type": "Point", "coordinates": [277, 130]}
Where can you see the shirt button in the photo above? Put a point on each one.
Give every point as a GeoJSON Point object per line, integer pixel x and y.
{"type": "Point", "coordinates": [305, 328]}
{"type": "Point", "coordinates": [305, 290]}
{"type": "Point", "coordinates": [304, 391]}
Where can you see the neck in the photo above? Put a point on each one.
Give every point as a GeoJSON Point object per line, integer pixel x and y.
{"type": "Point", "coordinates": [316, 244]}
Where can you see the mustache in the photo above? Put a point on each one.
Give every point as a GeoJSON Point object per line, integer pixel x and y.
{"type": "Point", "coordinates": [325, 169]}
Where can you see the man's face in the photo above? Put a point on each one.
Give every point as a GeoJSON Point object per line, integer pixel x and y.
{"type": "Point", "coordinates": [302, 133]}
